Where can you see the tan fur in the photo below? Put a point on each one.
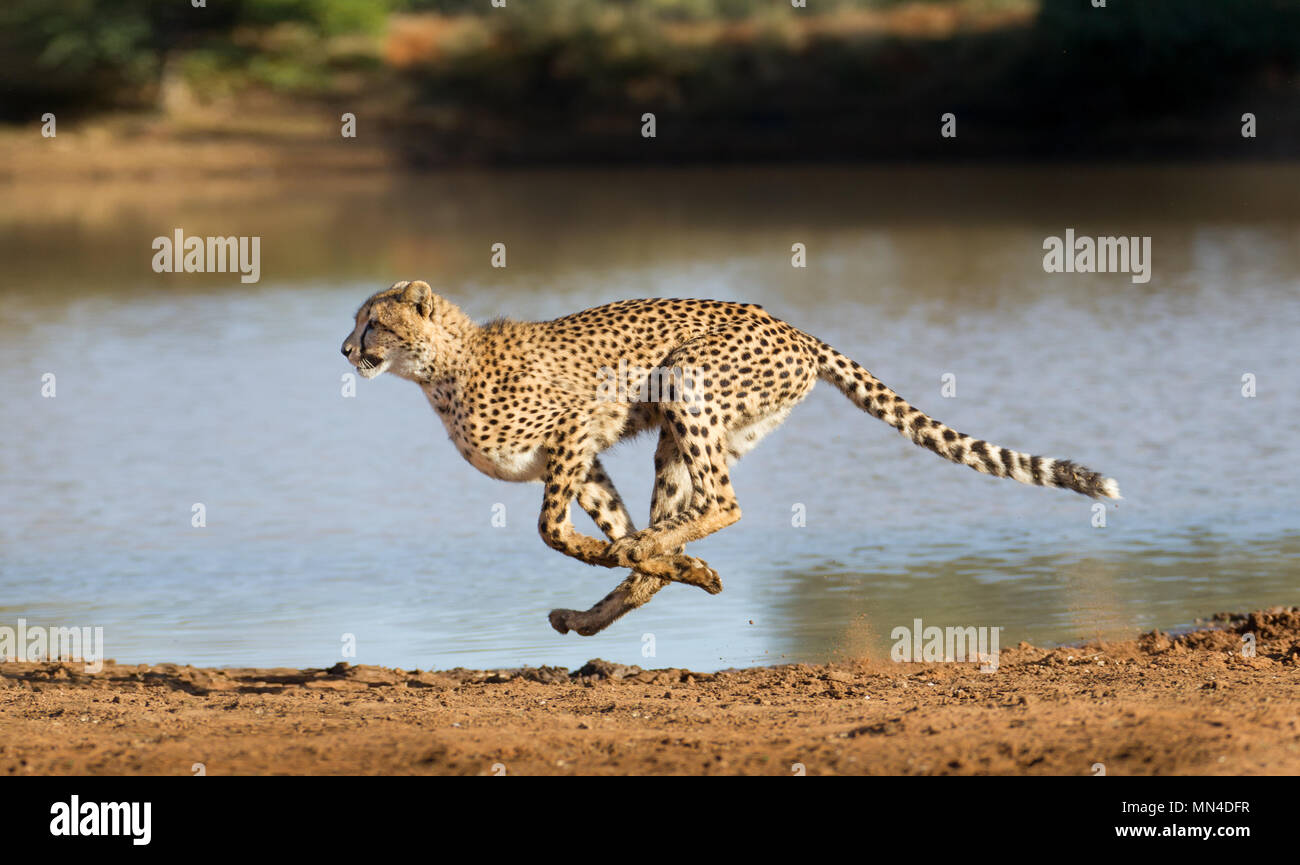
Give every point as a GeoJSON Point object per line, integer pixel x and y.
{"type": "Point", "coordinates": [527, 401]}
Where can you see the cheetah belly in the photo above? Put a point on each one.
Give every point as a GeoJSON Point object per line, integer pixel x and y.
{"type": "Point", "coordinates": [509, 465]}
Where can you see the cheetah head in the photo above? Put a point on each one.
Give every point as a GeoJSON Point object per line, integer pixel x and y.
{"type": "Point", "coordinates": [394, 332]}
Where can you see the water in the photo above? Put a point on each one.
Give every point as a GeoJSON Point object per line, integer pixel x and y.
{"type": "Point", "coordinates": [330, 516]}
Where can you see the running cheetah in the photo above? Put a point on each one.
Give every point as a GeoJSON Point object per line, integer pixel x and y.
{"type": "Point", "coordinates": [530, 401]}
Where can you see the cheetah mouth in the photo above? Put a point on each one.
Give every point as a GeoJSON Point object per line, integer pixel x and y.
{"type": "Point", "coordinates": [370, 366]}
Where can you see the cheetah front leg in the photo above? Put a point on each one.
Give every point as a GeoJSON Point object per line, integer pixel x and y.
{"type": "Point", "coordinates": [567, 471]}
{"type": "Point", "coordinates": [600, 499]}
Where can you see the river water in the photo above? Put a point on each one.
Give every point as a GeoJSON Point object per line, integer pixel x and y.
{"type": "Point", "coordinates": [335, 520]}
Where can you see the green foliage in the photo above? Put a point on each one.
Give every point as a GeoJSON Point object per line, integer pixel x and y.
{"type": "Point", "coordinates": [325, 17]}
{"type": "Point", "coordinates": [667, 10]}
{"type": "Point", "coordinates": [99, 53]}
{"type": "Point", "coordinates": [732, 72]}
{"type": "Point", "coordinates": [62, 49]}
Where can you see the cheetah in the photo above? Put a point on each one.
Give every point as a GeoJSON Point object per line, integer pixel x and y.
{"type": "Point", "coordinates": [530, 401]}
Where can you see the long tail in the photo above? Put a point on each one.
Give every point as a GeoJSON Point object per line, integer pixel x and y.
{"type": "Point", "coordinates": [873, 397]}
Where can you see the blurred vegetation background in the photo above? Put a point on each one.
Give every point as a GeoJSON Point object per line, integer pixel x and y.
{"type": "Point", "coordinates": [450, 81]}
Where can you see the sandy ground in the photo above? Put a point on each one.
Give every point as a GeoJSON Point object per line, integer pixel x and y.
{"type": "Point", "coordinates": [1192, 704]}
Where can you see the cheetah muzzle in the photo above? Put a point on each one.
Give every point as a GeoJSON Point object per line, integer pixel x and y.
{"type": "Point", "coordinates": [540, 401]}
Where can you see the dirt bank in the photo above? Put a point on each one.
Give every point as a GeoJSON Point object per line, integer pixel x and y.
{"type": "Point", "coordinates": [255, 145]}
{"type": "Point", "coordinates": [1156, 705]}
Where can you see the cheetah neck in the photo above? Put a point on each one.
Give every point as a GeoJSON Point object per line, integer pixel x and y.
{"type": "Point", "coordinates": [449, 350]}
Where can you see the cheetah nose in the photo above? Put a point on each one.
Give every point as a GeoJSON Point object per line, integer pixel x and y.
{"type": "Point", "coordinates": [346, 349]}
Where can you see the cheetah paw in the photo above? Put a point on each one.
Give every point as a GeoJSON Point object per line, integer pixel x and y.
{"type": "Point", "coordinates": [574, 620]}
{"type": "Point", "coordinates": [560, 620]}
{"type": "Point", "coordinates": [682, 569]}
{"type": "Point", "coordinates": [697, 573]}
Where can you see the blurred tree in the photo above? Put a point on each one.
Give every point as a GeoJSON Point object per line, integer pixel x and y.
{"type": "Point", "coordinates": [559, 79]}
{"type": "Point", "coordinates": [96, 53]}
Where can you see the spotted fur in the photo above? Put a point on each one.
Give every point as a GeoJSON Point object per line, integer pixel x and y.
{"type": "Point", "coordinates": [872, 396]}
{"type": "Point", "coordinates": [524, 401]}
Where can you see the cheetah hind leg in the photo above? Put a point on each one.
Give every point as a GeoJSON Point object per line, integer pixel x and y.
{"type": "Point", "coordinates": [630, 594]}
{"type": "Point", "coordinates": [639, 587]}
{"type": "Point", "coordinates": [672, 496]}
{"type": "Point", "coordinates": [598, 497]}
{"type": "Point", "coordinates": [650, 576]}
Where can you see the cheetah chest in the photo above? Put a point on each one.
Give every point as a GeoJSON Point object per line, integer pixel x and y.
{"type": "Point", "coordinates": [519, 461]}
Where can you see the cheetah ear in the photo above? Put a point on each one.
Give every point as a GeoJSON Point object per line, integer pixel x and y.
{"type": "Point", "coordinates": [420, 295]}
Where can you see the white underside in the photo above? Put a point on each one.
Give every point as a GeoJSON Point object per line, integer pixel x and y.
{"type": "Point", "coordinates": [745, 439]}
{"type": "Point", "coordinates": [510, 465]}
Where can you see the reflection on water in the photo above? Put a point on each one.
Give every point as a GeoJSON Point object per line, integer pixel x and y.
{"type": "Point", "coordinates": [329, 516]}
